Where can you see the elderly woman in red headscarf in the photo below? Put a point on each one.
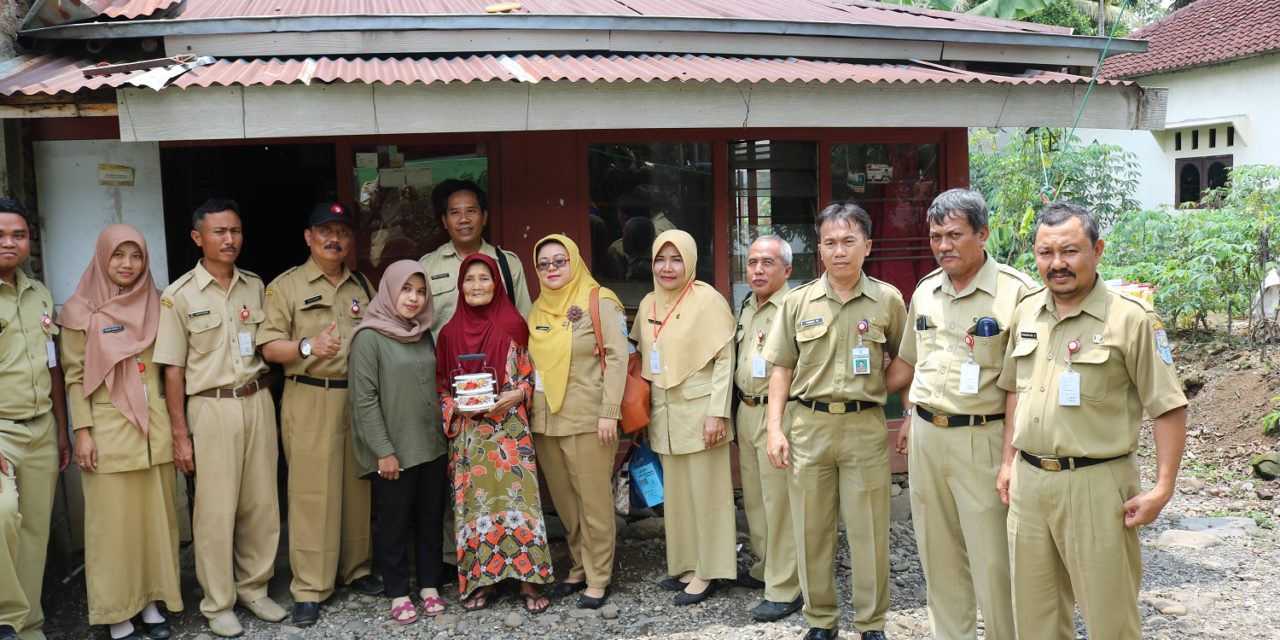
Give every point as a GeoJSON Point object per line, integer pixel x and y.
{"type": "Point", "coordinates": [500, 531]}
{"type": "Point", "coordinates": [123, 442]}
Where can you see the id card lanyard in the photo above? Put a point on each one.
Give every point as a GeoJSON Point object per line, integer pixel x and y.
{"type": "Point", "coordinates": [860, 356]}
{"type": "Point", "coordinates": [1069, 380]}
{"type": "Point", "coordinates": [969, 371]}
{"type": "Point", "coordinates": [655, 358]}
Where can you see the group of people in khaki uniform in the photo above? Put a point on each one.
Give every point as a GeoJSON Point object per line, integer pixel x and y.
{"type": "Point", "coordinates": [1023, 409]}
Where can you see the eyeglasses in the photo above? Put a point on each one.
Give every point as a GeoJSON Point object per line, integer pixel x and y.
{"type": "Point", "coordinates": [558, 263]}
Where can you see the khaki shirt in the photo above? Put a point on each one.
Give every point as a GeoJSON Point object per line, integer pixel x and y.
{"type": "Point", "coordinates": [200, 327]}
{"type": "Point", "coordinates": [589, 395]}
{"type": "Point", "coordinates": [814, 334]}
{"type": "Point", "coordinates": [677, 414]}
{"type": "Point", "coordinates": [442, 269]}
{"type": "Point", "coordinates": [121, 445]}
{"type": "Point", "coordinates": [24, 348]}
{"type": "Point", "coordinates": [301, 303]}
{"type": "Point", "coordinates": [939, 350]}
{"type": "Point", "coordinates": [1124, 363]}
{"type": "Point", "coordinates": [754, 322]}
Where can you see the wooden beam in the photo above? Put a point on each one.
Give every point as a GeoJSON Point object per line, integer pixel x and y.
{"type": "Point", "coordinates": [57, 110]}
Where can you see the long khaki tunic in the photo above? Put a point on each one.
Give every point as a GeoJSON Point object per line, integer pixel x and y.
{"type": "Point", "coordinates": [131, 541]}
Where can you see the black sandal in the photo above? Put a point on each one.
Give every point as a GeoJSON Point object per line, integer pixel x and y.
{"type": "Point", "coordinates": [531, 600]}
{"type": "Point", "coordinates": [482, 599]}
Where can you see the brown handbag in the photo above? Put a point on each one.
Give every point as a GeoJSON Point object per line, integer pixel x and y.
{"type": "Point", "coordinates": [635, 396]}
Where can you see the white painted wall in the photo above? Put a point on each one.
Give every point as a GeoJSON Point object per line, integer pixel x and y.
{"type": "Point", "coordinates": [74, 207]}
{"type": "Point", "coordinates": [1249, 87]}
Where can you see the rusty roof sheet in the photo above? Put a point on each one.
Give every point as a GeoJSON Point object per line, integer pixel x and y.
{"type": "Point", "coordinates": [1203, 32]}
{"type": "Point", "coordinates": [49, 75]}
{"type": "Point", "coordinates": [834, 11]}
{"type": "Point", "coordinates": [50, 13]}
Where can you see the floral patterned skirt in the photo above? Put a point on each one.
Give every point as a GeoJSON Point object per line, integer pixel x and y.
{"type": "Point", "coordinates": [499, 527]}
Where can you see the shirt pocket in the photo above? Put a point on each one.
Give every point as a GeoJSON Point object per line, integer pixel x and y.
{"type": "Point", "coordinates": [253, 322]}
{"type": "Point", "coordinates": [1092, 367]}
{"type": "Point", "coordinates": [809, 341]}
{"type": "Point", "coordinates": [205, 334]}
{"type": "Point", "coordinates": [1024, 362]}
{"type": "Point", "coordinates": [442, 286]}
{"type": "Point", "coordinates": [988, 352]}
{"type": "Point", "coordinates": [695, 391]}
{"type": "Point", "coordinates": [874, 339]}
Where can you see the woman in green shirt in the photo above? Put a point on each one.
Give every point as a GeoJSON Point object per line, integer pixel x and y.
{"type": "Point", "coordinates": [399, 442]}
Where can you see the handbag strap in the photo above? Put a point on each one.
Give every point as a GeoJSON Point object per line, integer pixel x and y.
{"type": "Point", "coordinates": [595, 325]}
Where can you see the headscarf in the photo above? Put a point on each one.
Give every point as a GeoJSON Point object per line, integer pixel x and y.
{"type": "Point", "coordinates": [489, 329]}
{"type": "Point", "coordinates": [696, 320]}
{"type": "Point", "coordinates": [552, 346]}
{"type": "Point", "coordinates": [382, 316]}
{"type": "Point", "coordinates": [97, 305]}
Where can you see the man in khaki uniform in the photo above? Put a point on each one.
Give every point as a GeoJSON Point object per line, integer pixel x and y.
{"type": "Point", "coordinates": [312, 310]}
{"type": "Point", "coordinates": [215, 388]}
{"type": "Point", "coordinates": [34, 446]}
{"type": "Point", "coordinates": [827, 347]}
{"type": "Point", "coordinates": [764, 489]}
{"type": "Point", "coordinates": [1085, 363]}
{"type": "Point", "coordinates": [957, 434]}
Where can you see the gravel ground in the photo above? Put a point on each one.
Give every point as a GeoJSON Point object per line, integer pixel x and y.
{"type": "Point", "coordinates": [1220, 586]}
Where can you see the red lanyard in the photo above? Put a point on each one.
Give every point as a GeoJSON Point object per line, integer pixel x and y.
{"type": "Point", "coordinates": [653, 313]}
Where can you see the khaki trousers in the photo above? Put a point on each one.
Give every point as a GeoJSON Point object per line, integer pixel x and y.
{"type": "Point", "coordinates": [841, 462]}
{"type": "Point", "coordinates": [765, 497]}
{"type": "Point", "coordinates": [26, 504]}
{"type": "Point", "coordinates": [960, 527]}
{"type": "Point", "coordinates": [328, 503]}
{"type": "Point", "coordinates": [236, 515]}
{"type": "Point", "coordinates": [699, 514]}
{"type": "Point", "coordinates": [577, 469]}
{"type": "Point", "coordinates": [1068, 542]}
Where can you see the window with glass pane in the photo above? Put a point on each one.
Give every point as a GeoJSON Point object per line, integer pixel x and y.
{"type": "Point", "coordinates": [393, 186]}
{"type": "Point", "coordinates": [639, 190]}
{"type": "Point", "coordinates": [774, 191]}
{"type": "Point", "coordinates": [895, 183]}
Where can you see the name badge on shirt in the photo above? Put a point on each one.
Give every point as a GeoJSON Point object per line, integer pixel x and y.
{"type": "Point", "coordinates": [52, 352]}
{"type": "Point", "coordinates": [1069, 388]}
{"type": "Point", "coordinates": [758, 367]}
{"type": "Point", "coordinates": [439, 276]}
{"type": "Point", "coordinates": [969, 372]}
{"type": "Point", "coordinates": [246, 343]}
{"type": "Point", "coordinates": [655, 361]}
{"type": "Point", "coordinates": [114, 329]}
{"type": "Point", "coordinates": [537, 381]}
{"type": "Point", "coordinates": [861, 358]}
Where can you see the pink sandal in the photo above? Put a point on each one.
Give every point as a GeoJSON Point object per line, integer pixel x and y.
{"type": "Point", "coordinates": [397, 613]}
{"type": "Point", "coordinates": [430, 603]}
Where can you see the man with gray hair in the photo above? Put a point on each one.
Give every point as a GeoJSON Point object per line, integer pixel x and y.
{"type": "Point", "coordinates": [956, 331]}
{"type": "Point", "coordinates": [764, 488]}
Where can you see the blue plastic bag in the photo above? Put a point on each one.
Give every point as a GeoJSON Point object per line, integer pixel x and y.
{"type": "Point", "coordinates": [646, 477]}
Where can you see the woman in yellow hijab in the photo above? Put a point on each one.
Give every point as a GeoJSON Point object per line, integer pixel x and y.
{"type": "Point", "coordinates": [576, 409]}
{"type": "Point", "coordinates": [684, 330]}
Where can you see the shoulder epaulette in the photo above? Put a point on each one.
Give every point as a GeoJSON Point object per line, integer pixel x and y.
{"type": "Point", "coordinates": [1146, 306]}
{"type": "Point", "coordinates": [928, 275]}
{"type": "Point", "coordinates": [1031, 292]}
{"type": "Point", "coordinates": [252, 274]}
{"type": "Point", "coordinates": [1010, 271]}
{"type": "Point", "coordinates": [882, 283]}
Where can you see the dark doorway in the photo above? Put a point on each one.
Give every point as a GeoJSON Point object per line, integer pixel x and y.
{"type": "Point", "coordinates": [276, 186]}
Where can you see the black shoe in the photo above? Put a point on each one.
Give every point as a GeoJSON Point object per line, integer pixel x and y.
{"type": "Point", "coordinates": [587, 602]}
{"type": "Point", "coordinates": [7, 632]}
{"type": "Point", "coordinates": [136, 634]}
{"type": "Point", "coordinates": [157, 631]}
{"type": "Point", "coordinates": [745, 581]}
{"type": "Point", "coordinates": [873, 635]}
{"type": "Point", "coordinates": [685, 598]}
{"type": "Point", "coordinates": [816, 633]}
{"type": "Point", "coordinates": [564, 589]}
{"type": "Point", "coordinates": [769, 611]}
{"type": "Point", "coordinates": [368, 585]}
{"type": "Point", "coordinates": [448, 574]}
{"type": "Point", "coordinates": [672, 583]}
{"type": "Point", "coordinates": [305, 614]}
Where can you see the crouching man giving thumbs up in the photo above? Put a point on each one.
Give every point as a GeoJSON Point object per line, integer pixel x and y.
{"type": "Point", "coordinates": [312, 310]}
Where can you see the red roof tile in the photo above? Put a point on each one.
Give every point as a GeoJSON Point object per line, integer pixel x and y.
{"type": "Point", "coordinates": [1204, 32]}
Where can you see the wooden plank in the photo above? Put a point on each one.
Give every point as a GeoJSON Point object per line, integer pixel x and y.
{"type": "Point", "coordinates": [314, 110]}
{"type": "Point", "coordinates": [363, 43]}
{"type": "Point", "coordinates": [57, 110]}
{"type": "Point", "coordinates": [214, 113]}
{"type": "Point", "coordinates": [456, 107]}
{"type": "Point", "coordinates": [1019, 54]}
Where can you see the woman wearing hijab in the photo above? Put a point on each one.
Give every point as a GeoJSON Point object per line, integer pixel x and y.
{"type": "Point", "coordinates": [501, 533]}
{"type": "Point", "coordinates": [124, 444]}
{"type": "Point", "coordinates": [399, 442]}
{"type": "Point", "coordinates": [576, 409]}
{"type": "Point", "coordinates": [684, 331]}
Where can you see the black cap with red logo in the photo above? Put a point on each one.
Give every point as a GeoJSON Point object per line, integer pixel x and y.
{"type": "Point", "coordinates": [330, 212]}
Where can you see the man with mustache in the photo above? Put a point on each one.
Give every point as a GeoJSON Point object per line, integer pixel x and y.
{"type": "Point", "coordinates": [312, 310]}
{"type": "Point", "coordinates": [1084, 363]}
{"type": "Point", "coordinates": [212, 379]}
{"type": "Point", "coordinates": [956, 332]}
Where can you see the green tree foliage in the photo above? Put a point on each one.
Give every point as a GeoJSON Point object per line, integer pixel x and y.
{"type": "Point", "coordinates": [1081, 15]}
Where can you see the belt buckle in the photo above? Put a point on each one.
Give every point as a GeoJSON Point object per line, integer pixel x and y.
{"type": "Point", "coordinates": [836, 408]}
{"type": "Point", "coordinates": [940, 421]}
{"type": "Point", "coordinates": [241, 391]}
{"type": "Point", "coordinates": [1051, 464]}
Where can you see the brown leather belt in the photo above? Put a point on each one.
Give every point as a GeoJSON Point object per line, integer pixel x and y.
{"type": "Point", "coordinates": [323, 383]}
{"type": "Point", "coordinates": [751, 401]}
{"type": "Point", "coordinates": [837, 408]}
{"type": "Point", "coordinates": [238, 392]}
{"type": "Point", "coordinates": [1054, 463]}
{"type": "Point", "coordinates": [956, 421]}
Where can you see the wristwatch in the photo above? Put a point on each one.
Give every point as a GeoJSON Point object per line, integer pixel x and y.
{"type": "Point", "coordinates": [906, 413]}
{"type": "Point", "coordinates": [304, 348]}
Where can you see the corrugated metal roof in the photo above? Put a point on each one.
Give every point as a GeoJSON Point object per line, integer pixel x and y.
{"type": "Point", "coordinates": [57, 12]}
{"type": "Point", "coordinates": [48, 75]}
{"type": "Point", "coordinates": [835, 11]}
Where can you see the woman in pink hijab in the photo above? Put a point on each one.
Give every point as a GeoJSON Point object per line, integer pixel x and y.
{"type": "Point", "coordinates": [123, 445]}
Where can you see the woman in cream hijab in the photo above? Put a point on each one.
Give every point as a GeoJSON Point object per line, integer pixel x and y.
{"type": "Point", "coordinates": [124, 445]}
{"type": "Point", "coordinates": [576, 409]}
{"type": "Point", "coordinates": [684, 330]}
